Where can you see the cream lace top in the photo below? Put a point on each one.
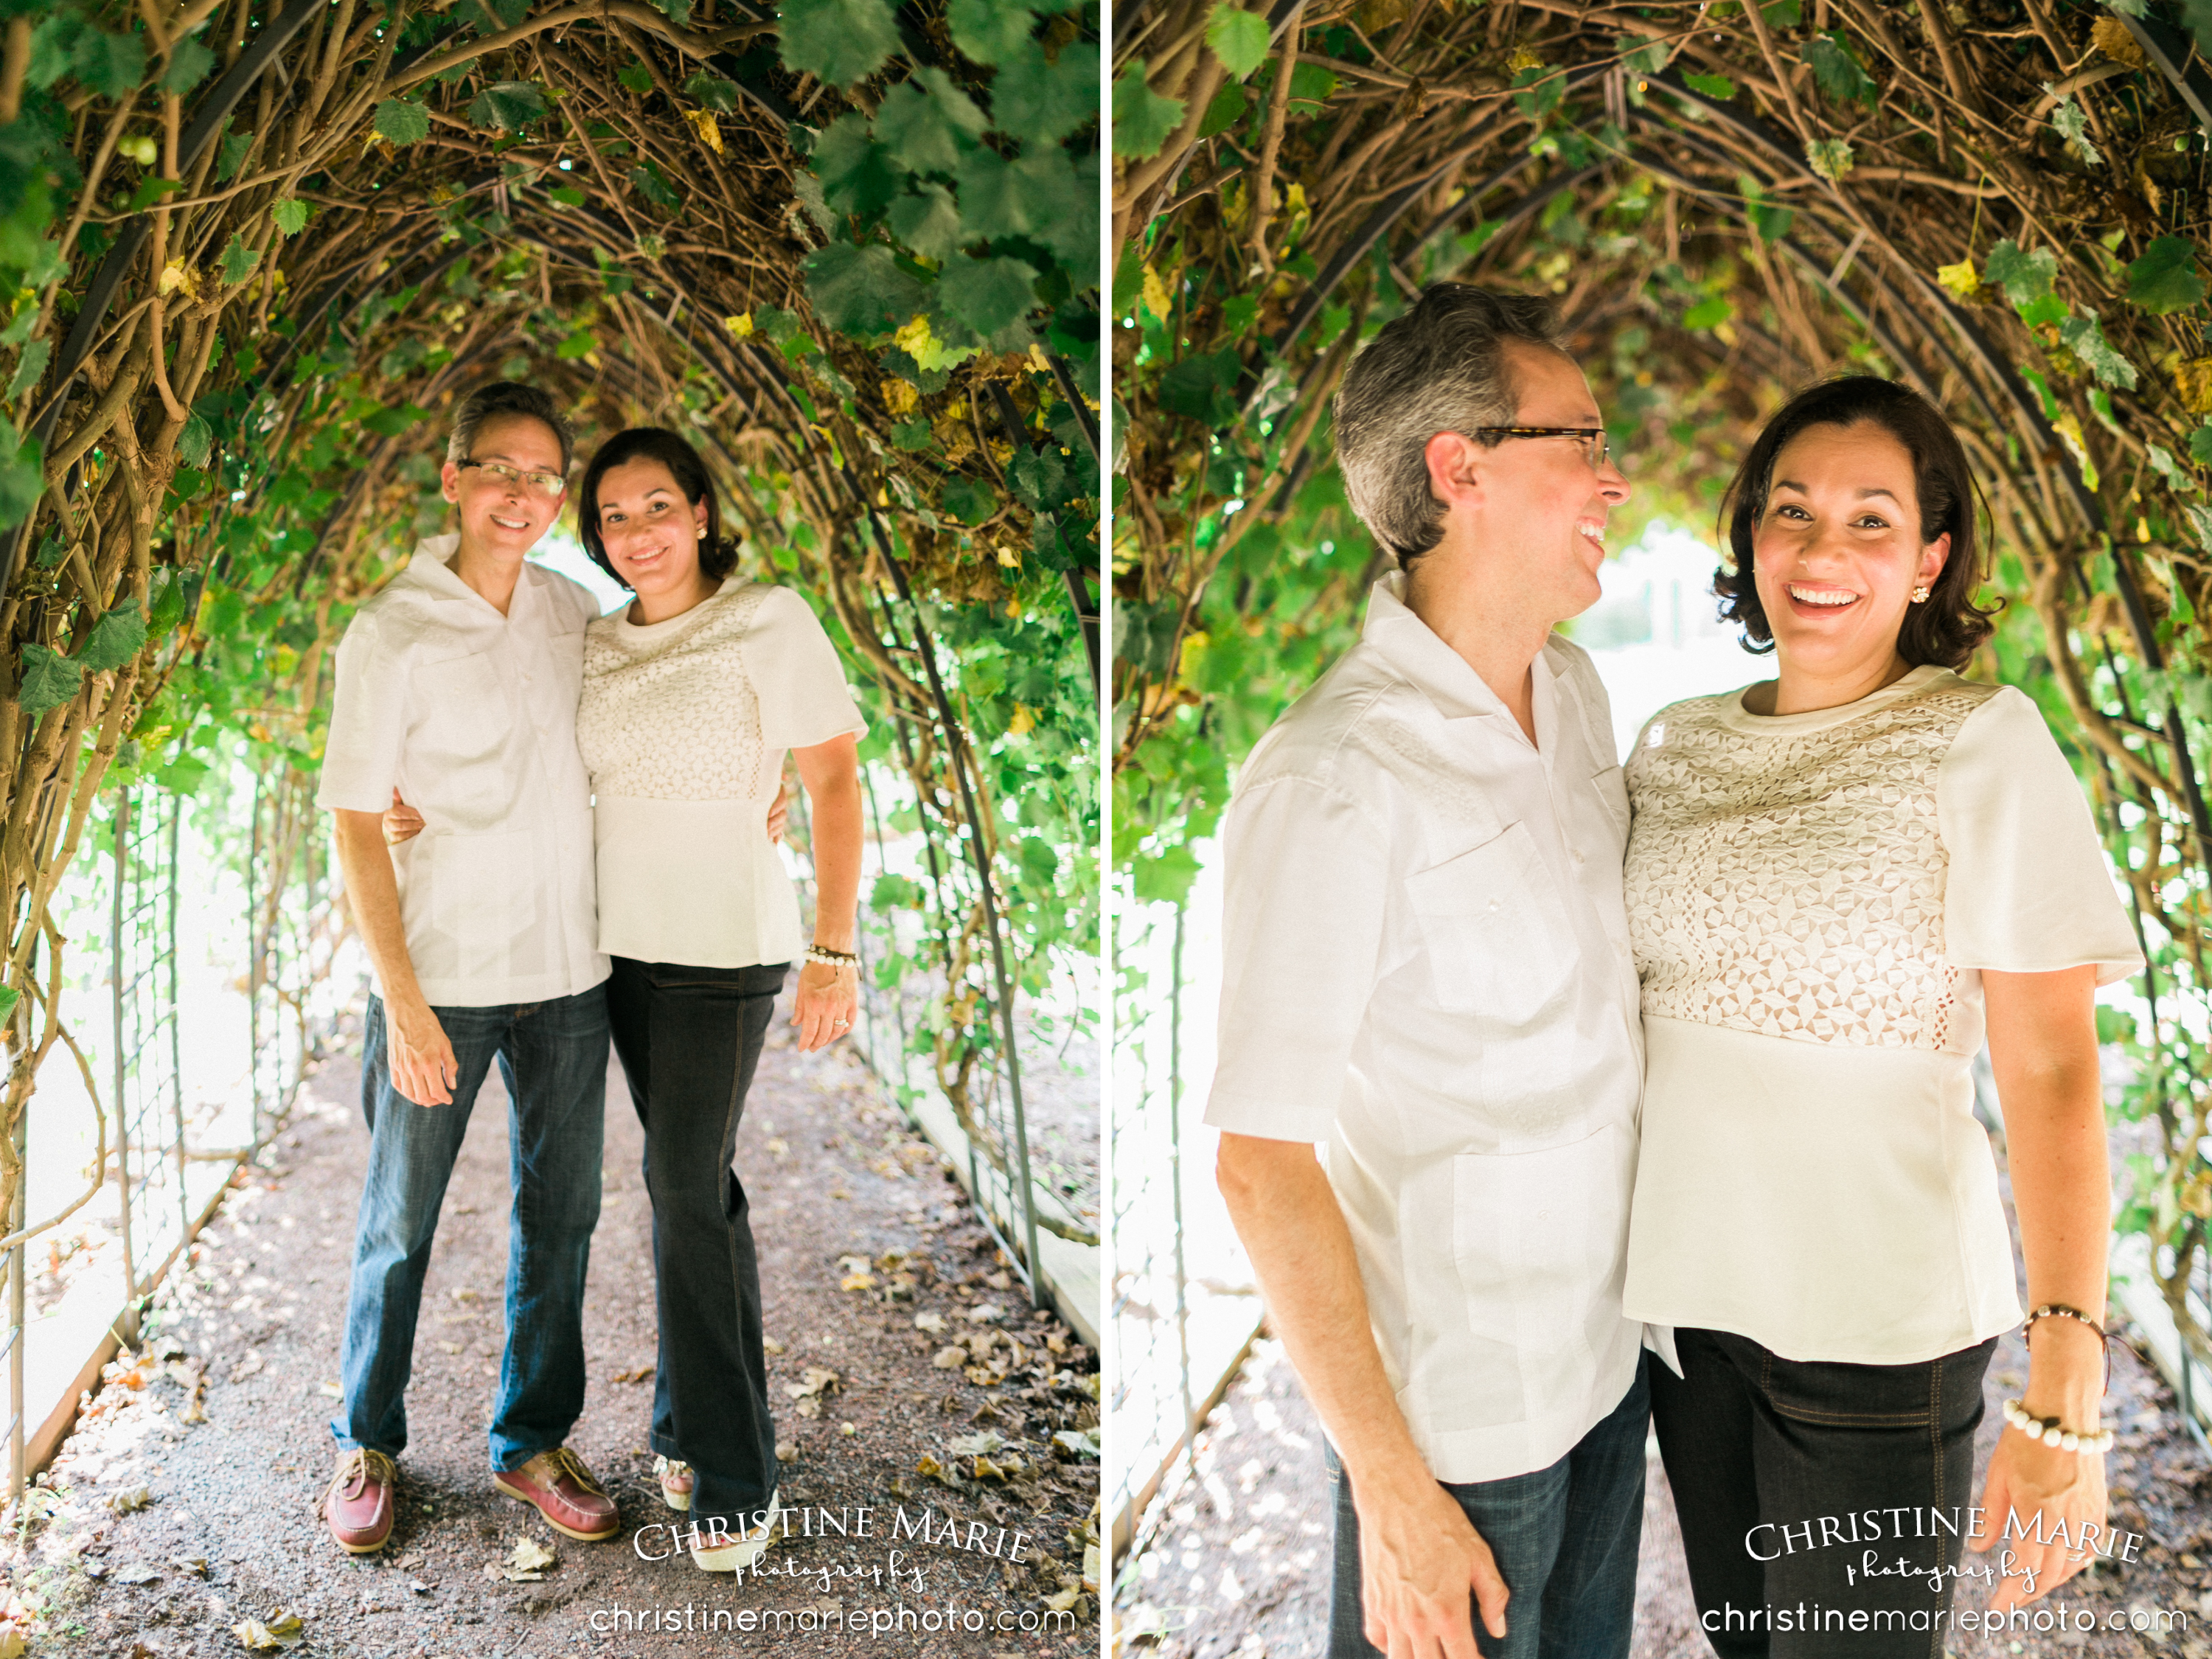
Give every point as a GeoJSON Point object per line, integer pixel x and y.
{"type": "Point", "coordinates": [683, 726]}
{"type": "Point", "coordinates": [1811, 898]}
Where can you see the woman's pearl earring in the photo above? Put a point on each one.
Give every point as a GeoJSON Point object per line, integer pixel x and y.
{"type": "Point", "coordinates": [1920, 594]}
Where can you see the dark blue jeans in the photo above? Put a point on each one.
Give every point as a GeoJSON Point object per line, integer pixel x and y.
{"type": "Point", "coordinates": [1823, 1505]}
{"type": "Point", "coordinates": [1564, 1540]}
{"type": "Point", "coordinates": [553, 1058]}
{"type": "Point", "coordinates": [689, 1039]}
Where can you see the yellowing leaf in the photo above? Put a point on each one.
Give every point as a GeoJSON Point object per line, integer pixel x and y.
{"type": "Point", "coordinates": [1024, 719]}
{"type": "Point", "coordinates": [1961, 281]}
{"type": "Point", "coordinates": [285, 1631]}
{"type": "Point", "coordinates": [178, 275]}
{"type": "Point", "coordinates": [1156, 296]}
{"type": "Point", "coordinates": [740, 328]}
{"type": "Point", "coordinates": [702, 123]}
{"type": "Point", "coordinates": [900, 396]}
{"type": "Point", "coordinates": [1523, 58]}
{"type": "Point", "coordinates": [857, 1282]}
{"type": "Point", "coordinates": [2193, 380]}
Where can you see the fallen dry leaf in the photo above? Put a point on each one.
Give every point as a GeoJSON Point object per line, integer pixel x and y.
{"type": "Point", "coordinates": [857, 1282]}
{"type": "Point", "coordinates": [769, 1345]}
{"type": "Point", "coordinates": [816, 1380]}
{"type": "Point", "coordinates": [525, 1564]}
{"type": "Point", "coordinates": [931, 1322]}
{"type": "Point", "coordinates": [778, 1145]}
{"type": "Point", "coordinates": [249, 1366]}
{"type": "Point", "coordinates": [950, 1359]}
{"type": "Point", "coordinates": [284, 1629]}
{"type": "Point", "coordinates": [1076, 1440]}
{"type": "Point", "coordinates": [1062, 1602]}
{"type": "Point", "coordinates": [130, 1500]}
{"type": "Point", "coordinates": [637, 1375]}
{"type": "Point", "coordinates": [194, 1565]}
{"type": "Point", "coordinates": [983, 1312]}
{"type": "Point", "coordinates": [330, 1389]}
{"type": "Point", "coordinates": [138, 1573]}
{"type": "Point", "coordinates": [976, 1445]}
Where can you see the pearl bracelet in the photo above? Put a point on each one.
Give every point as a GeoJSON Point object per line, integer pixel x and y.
{"type": "Point", "coordinates": [2049, 1431]}
{"type": "Point", "coordinates": [829, 958]}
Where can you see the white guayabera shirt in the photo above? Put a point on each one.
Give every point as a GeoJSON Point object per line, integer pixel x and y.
{"type": "Point", "coordinates": [1426, 965]}
{"type": "Point", "coordinates": [473, 716]}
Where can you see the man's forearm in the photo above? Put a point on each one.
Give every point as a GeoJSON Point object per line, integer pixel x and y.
{"type": "Point", "coordinates": [373, 890]}
{"type": "Point", "coordinates": [1294, 1232]}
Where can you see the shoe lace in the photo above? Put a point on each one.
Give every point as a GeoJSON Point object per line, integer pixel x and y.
{"type": "Point", "coordinates": [362, 1465]}
{"type": "Point", "coordinates": [561, 1460]}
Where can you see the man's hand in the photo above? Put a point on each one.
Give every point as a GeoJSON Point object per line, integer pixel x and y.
{"type": "Point", "coordinates": [1418, 1560]}
{"type": "Point", "coordinates": [402, 822]}
{"type": "Point", "coordinates": [420, 1056]}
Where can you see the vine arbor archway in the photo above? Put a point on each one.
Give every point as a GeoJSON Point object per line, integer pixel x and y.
{"type": "Point", "coordinates": [253, 251]}
{"type": "Point", "coordinates": [2002, 203]}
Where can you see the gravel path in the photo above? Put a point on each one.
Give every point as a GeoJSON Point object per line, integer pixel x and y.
{"type": "Point", "coordinates": [185, 1506]}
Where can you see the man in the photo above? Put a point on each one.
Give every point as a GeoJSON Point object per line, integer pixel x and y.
{"type": "Point", "coordinates": [1427, 966]}
{"type": "Point", "coordinates": [458, 683]}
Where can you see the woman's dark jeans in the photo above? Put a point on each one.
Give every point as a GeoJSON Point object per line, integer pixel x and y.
{"type": "Point", "coordinates": [689, 1038]}
{"type": "Point", "coordinates": [1823, 1505]}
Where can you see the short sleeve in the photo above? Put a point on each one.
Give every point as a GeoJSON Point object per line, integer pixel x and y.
{"type": "Point", "coordinates": [797, 677]}
{"type": "Point", "coordinates": [368, 722]}
{"type": "Point", "coordinates": [2029, 890]}
{"type": "Point", "coordinates": [1306, 881]}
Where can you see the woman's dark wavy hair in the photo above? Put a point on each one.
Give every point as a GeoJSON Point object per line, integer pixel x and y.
{"type": "Point", "coordinates": [1947, 626]}
{"type": "Point", "coordinates": [718, 555]}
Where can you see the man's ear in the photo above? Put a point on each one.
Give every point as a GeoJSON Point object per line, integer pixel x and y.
{"type": "Point", "coordinates": [1454, 469]}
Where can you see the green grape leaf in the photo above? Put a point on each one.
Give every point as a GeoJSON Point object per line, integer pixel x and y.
{"type": "Point", "coordinates": [1226, 110]}
{"type": "Point", "coordinates": [503, 14]}
{"type": "Point", "coordinates": [677, 12]}
{"type": "Point", "coordinates": [711, 90]}
{"type": "Point", "coordinates": [636, 77]}
{"type": "Point", "coordinates": [926, 123]}
{"type": "Point", "coordinates": [195, 441]}
{"type": "Point", "coordinates": [30, 366]}
{"type": "Point", "coordinates": [860, 290]}
{"type": "Point", "coordinates": [1838, 70]}
{"type": "Point", "coordinates": [22, 480]}
{"type": "Point", "coordinates": [189, 63]}
{"type": "Point", "coordinates": [857, 174]}
{"type": "Point", "coordinates": [2025, 277]}
{"type": "Point", "coordinates": [238, 260]}
{"type": "Point", "coordinates": [2200, 445]}
{"type": "Point", "coordinates": [506, 107]}
{"type": "Point", "coordinates": [1143, 120]}
{"type": "Point", "coordinates": [2071, 123]}
{"type": "Point", "coordinates": [1708, 313]}
{"type": "Point", "coordinates": [1201, 387]}
{"type": "Point", "coordinates": [992, 200]}
{"type": "Point", "coordinates": [839, 41]}
{"type": "Point", "coordinates": [1238, 37]}
{"type": "Point", "coordinates": [988, 294]}
{"type": "Point", "coordinates": [109, 64]}
{"type": "Point", "coordinates": [2165, 280]}
{"type": "Point", "coordinates": [291, 215]}
{"type": "Point", "coordinates": [987, 31]}
{"type": "Point", "coordinates": [169, 606]}
{"type": "Point", "coordinates": [970, 502]}
{"type": "Point", "coordinates": [49, 679]}
{"type": "Point", "coordinates": [567, 195]}
{"type": "Point", "coordinates": [396, 120]}
{"type": "Point", "coordinates": [1072, 233]}
{"type": "Point", "coordinates": [116, 638]}
{"type": "Point", "coordinates": [653, 186]}
{"type": "Point", "coordinates": [1645, 57]}
{"type": "Point", "coordinates": [1039, 478]}
{"type": "Point", "coordinates": [1042, 103]}
{"type": "Point", "coordinates": [1713, 86]}
{"type": "Point", "coordinates": [928, 222]}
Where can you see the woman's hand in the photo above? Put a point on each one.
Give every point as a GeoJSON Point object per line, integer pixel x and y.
{"type": "Point", "coordinates": [2049, 1489]}
{"type": "Point", "coordinates": [402, 822]}
{"type": "Point", "coordinates": [2054, 1493]}
{"type": "Point", "coordinates": [827, 1000]}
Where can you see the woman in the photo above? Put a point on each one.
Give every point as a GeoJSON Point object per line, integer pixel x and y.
{"type": "Point", "coordinates": [691, 695]}
{"type": "Point", "coordinates": [1837, 882]}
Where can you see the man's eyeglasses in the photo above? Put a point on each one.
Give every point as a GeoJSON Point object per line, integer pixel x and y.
{"type": "Point", "coordinates": [548, 484]}
{"type": "Point", "coordinates": [1597, 447]}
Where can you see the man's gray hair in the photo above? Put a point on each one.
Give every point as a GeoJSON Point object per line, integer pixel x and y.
{"type": "Point", "coordinates": [501, 397]}
{"type": "Point", "coordinates": [1440, 367]}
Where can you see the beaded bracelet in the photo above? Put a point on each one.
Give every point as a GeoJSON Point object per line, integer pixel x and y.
{"type": "Point", "coordinates": [2050, 1432]}
{"type": "Point", "coordinates": [822, 953]}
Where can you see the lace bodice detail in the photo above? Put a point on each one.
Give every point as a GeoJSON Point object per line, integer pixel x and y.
{"type": "Point", "coordinates": [1792, 884]}
{"type": "Point", "coordinates": [671, 712]}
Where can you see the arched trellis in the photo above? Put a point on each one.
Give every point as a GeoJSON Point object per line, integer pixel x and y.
{"type": "Point", "coordinates": [2001, 202]}
{"type": "Point", "coordinates": [251, 252]}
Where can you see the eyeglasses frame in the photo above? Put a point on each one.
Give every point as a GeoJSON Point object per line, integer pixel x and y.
{"type": "Point", "coordinates": [560, 483]}
{"type": "Point", "coordinates": [1585, 433]}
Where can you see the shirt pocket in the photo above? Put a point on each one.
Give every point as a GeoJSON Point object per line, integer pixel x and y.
{"type": "Point", "coordinates": [1499, 941]}
{"type": "Point", "coordinates": [465, 714]}
{"type": "Point", "coordinates": [1538, 1242]}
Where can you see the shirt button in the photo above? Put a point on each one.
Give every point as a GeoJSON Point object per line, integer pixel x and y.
{"type": "Point", "coordinates": [1577, 854]}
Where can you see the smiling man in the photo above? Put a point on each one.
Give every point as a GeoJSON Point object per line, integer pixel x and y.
{"type": "Point", "coordinates": [1426, 968]}
{"type": "Point", "coordinates": [456, 684]}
